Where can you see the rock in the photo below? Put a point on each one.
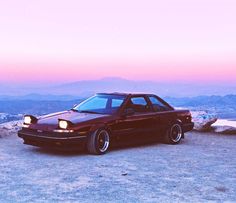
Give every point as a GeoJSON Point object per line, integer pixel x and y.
{"type": "Point", "coordinates": [203, 120]}
{"type": "Point", "coordinates": [225, 127]}
{"type": "Point", "coordinates": [9, 128]}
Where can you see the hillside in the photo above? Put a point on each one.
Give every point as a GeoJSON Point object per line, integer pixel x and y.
{"type": "Point", "coordinates": [224, 106]}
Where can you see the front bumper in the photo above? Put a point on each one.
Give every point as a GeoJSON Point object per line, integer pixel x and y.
{"type": "Point", "coordinates": [188, 127]}
{"type": "Point", "coordinates": [64, 141]}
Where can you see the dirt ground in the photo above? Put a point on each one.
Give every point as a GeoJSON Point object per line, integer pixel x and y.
{"type": "Point", "coordinates": [200, 169]}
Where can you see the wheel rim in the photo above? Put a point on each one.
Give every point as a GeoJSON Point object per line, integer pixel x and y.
{"type": "Point", "coordinates": [103, 141]}
{"type": "Point", "coordinates": [176, 133]}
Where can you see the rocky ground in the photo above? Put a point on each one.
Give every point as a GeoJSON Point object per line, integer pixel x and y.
{"type": "Point", "coordinates": [200, 169]}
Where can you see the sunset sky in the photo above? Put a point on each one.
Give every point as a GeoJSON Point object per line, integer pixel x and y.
{"type": "Point", "coordinates": [69, 40]}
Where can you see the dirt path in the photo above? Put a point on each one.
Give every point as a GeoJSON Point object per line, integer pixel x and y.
{"type": "Point", "coordinates": [202, 168]}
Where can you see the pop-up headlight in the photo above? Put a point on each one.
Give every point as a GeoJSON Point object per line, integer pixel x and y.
{"type": "Point", "coordinates": [63, 124]}
{"type": "Point", "coordinates": [29, 119]}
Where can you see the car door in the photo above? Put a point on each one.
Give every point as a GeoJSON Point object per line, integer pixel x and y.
{"type": "Point", "coordinates": [164, 114]}
{"type": "Point", "coordinates": [141, 122]}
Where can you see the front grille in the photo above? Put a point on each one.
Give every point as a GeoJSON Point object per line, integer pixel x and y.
{"type": "Point", "coordinates": [49, 134]}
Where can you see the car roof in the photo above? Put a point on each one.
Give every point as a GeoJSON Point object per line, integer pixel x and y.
{"type": "Point", "coordinates": [126, 94]}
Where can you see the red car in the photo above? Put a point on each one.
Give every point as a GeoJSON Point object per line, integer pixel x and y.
{"type": "Point", "coordinates": [105, 118]}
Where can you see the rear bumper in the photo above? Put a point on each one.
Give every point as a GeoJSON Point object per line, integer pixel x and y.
{"type": "Point", "coordinates": [63, 141]}
{"type": "Point", "coordinates": [188, 127]}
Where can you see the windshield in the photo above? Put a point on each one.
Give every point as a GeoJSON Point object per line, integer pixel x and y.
{"type": "Point", "coordinates": [101, 104]}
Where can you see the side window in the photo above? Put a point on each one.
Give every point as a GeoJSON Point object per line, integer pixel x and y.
{"type": "Point", "coordinates": [158, 105]}
{"type": "Point", "coordinates": [139, 101]}
{"type": "Point", "coordinates": [116, 102]}
{"type": "Point", "coordinates": [139, 104]}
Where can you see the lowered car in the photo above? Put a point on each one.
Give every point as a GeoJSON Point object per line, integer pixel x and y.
{"type": "Point", "coordinates": [105, 118]}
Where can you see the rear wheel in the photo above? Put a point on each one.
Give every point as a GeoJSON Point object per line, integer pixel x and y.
{"type": "Point", "coordinates": [98, 142]}
{"type": "Point", "coordinates": [173, 134]}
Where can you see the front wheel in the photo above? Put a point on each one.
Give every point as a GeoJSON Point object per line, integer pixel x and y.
{"type": "Point", "coordinates": [173, 134]}
{"type": "Point", "coordinates": [98, 142]}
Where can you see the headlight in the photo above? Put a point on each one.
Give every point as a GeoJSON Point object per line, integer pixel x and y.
{"type": "Point", "coordinates": [27, 120]}
{"type": "Point", "coordinates": [63, 124]}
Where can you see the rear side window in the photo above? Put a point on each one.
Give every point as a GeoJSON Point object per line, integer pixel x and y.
{"type": "Point", "coordinates": [139, 104]}
{"type": "Point", "coordinates": [158, 105]}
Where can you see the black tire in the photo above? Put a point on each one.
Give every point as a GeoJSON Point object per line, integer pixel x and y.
{"type": "Point", "coordinates": [173, 134]}
{"type": "Point", "coordinates": [98, 142]}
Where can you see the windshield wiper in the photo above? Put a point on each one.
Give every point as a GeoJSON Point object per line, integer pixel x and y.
{"type": "Point", "coordinates": [74, 109]}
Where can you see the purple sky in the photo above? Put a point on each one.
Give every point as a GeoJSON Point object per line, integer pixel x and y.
{"type": "Point", "coordinates": [70, 40]}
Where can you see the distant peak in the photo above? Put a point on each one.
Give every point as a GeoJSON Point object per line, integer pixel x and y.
{"type": "Point", "coordinates": [113, 78]}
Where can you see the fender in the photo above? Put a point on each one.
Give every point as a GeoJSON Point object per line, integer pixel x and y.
{"type": "Point", "coordinates": [99, 126]}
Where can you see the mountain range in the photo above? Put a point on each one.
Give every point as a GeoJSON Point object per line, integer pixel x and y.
{"type": "Point", "coordinates": [38, 99]}
{"type": "Point", "coordinates": [224, 106]}
{"type": "Point", "coordinates": [85, 88]}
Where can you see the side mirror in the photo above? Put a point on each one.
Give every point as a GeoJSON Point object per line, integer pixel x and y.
{"type": "Point", "coordinates": [129, 112]}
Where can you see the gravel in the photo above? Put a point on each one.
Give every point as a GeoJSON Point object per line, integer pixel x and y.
{"type": "Point", "coordinates": [202, 168]}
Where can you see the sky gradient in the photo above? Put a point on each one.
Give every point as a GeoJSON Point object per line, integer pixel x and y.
{"type": "Point", "coordinates": [71, 40]}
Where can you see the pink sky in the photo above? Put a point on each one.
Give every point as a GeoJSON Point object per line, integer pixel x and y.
{"type": "Point", "coordinates": [70, 40]}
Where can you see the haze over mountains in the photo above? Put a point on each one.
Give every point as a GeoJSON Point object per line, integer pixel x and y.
{"type": "Point", "coordinates": [38, 99]}
{"type": "Point", "coordinates": [86, 88]}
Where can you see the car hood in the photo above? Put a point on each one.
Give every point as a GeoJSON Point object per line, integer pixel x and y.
{"type": "Point", "coordinates": [73, 116]}
{"type": "Point", "coordinates": [50, 122]}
